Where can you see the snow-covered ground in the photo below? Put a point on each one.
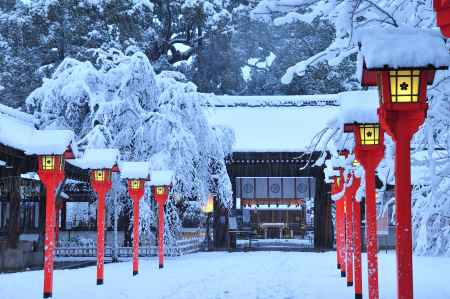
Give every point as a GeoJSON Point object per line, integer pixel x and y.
{"type": "Point", "coordinates": [229, 275]}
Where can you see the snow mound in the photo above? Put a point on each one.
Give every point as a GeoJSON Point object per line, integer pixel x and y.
{"type": "Point", "coordinates": [359, 106]}
{"type": "Point", "coordinates": [134, 170]}
{"type": "Point", "coordinates": [17, 131]}
{"type": "Point", "coordinates": [402, 47]}
{"type": "Point", "coordinates": [97, 159]}
{"type": "Point", "coordinates": [161, 177]}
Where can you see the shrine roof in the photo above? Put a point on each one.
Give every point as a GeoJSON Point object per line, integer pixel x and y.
{"type": "Point", "coordinates": [18, 131]}
{"type": "Point", "coordinates": [274, 128]}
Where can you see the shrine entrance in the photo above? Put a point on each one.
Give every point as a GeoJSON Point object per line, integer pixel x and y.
{"type": "Point", "coordinates": [277, 203]}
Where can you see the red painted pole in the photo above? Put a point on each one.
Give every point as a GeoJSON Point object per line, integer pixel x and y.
{"type": "Point", "coordinates": [371, 222]}
{"type": "Point", "coordinates": [403, 214]}
{"type": "Point", "coordinates": [135, 235]}
{"type": "Point", "coordinates": [342, 236]}
{"type": "Point", "coordinates": [349, 237]}
{"type": "Point", "coordinates": [50, 178]}
{"type": "Point", "coordinates": [161, 234]}
{"type": "Point", "coordinates": [100, 236]}
{"type": "Point", "coordinates": [357, 232]}
{"type": "Point", "coordinates": [334, 190]}
{"type": "Point", "coordinates": [337, 233]}
{"type": "Point", "coordinates": [49, 245]}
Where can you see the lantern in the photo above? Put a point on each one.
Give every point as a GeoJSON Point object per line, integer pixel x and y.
{"type": "Point", "coordinates": [51, 173]}
{"type": "Point", "coordinates": [135, 184]}
{"type": "Point", "coordinates": [136, 192]}
{"type": "Point", "coordinates": [161, 194]}
{"type": "Point", "coordinates": [209, 207]}
{"type": "Point", "coordinates": [369, 134]}
{"type": "Point", "coordinates": [101, 183]}
{"type": "Point", "coordinates": [99, 176]}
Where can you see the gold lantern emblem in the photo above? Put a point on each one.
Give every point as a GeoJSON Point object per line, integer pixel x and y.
{"type": "Point", "coordinates": [135, 184]}
{"type": "Point", "coordinates": [160, 190]}
{"type": "Point", "coordinates": [48, 162]}
{"type": "Point", "coordinates": [99, 175]}
{"type": "Point", "coordinates": [369, 134]}
{"type": "Point", "coordinates": [405, 86]}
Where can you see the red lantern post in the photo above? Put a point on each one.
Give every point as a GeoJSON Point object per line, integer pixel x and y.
{"type": "Point", "coordinates": [369, 150]}
{"type": "Point", "coordinates": [136, 191]}
{"type": "Point", "coordinates": [341, 236]}
{"type": "Point", "coordinates": [357, 236]}
{"type": "Point", "coordinates": [51, 173]}
{"type": "Point", "coordinates": [101, 183]}
{"type": "Point", "coordinates": [442, 8]}
{"type": "Point", "coordinates": [402, 82]}
{"type": "Point", "coordinates": [337, 187]}
{"type": "Point", "coordinates": [161, 194]}
{"type": "Point", "coordinates": [349, 233]}
{"type": "Point", "coordinates": [335, 190]}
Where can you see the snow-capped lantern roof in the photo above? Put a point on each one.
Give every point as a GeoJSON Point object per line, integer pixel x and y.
{"type": "Point", "coordinates": [17, 130]}
{"type": "Point", "coordinates": [399, 48]}
{"type": "Point", "coordinates": [134, 170]}
{"type": "Point", "coordinates": [161, 177]}
{"type": "Point", "coordinates": [105, 158]}
{"type": "Point", "coordinates": [359, 106]}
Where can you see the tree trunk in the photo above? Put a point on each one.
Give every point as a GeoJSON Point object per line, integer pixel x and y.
{"type": "Point", "coordinates": [14, 211]}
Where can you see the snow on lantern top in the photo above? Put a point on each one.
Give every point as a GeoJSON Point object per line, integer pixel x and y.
{"type": "Point", "coordinates": [17, 130]}
{"type": "Point", "coordinates": [105, 158]}
{"type": "Point", "coordinates": [134, 170]}
{"type": "Point", "coordinates": [400, 48]}
{"type": "Point", "coordinates": [161, 177]}
{"type": "Point", "coordinates": [359, 106]}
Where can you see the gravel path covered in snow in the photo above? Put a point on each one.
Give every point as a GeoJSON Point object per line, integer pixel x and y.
{"type": "Point", "coordinates": [224, 275]}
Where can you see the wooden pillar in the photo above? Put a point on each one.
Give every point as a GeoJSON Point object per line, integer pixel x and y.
{"type": "Point", "coordinates": [14, 198]}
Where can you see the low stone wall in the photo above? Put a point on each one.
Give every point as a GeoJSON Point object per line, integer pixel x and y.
{"type": "Point", "coordinates": [25, 256]}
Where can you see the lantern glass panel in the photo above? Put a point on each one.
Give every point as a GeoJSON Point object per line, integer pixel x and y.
{"type": "Point", "coordinates": [135, 184]}
{"type": "Point", "coordinates": [48, 162]}
{"type": "Point", "coordinates": [160, 190]}
{"type": "Point", "coordinates": [99, 175]}
{"type": "Point", "coordinates": [369, 134]}
{"type": "Point", "coordinates": [405, 86]}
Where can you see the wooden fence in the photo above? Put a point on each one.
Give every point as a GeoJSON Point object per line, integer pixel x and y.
{"type": "Point", "coordinates": [182, 247]}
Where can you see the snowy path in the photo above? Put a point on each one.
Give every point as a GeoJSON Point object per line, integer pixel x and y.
{"type": "Point", "coordinates": [256, 275]}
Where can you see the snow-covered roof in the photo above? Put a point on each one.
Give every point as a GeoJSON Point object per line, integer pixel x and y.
{"type": "Point", "coordinates": [359, 106]}
{"type": "Point", "coordinates": [272, 100]}
{"type": "Point", "coordinates": [402, 48]}
{"type": "Point", "coordinates": [105, 158]}
{"type": "Point", "coordinates": [17, 114]}
{"type": "Point", "coordinates": [273, 129]}
{"type": "Point", "coordinates": [134, 170]}
{"type": "Point", "coordinates": [17, 130]}
{"type": "Point", "coordinates": [161, 177]}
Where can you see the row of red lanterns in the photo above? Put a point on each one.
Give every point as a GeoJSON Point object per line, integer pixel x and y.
{"type": "Point", "coordinates": [51, 173]}
{"type": "Point", "coordinates": [402, 110]}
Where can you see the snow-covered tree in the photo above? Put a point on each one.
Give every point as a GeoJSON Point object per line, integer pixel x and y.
{"type": "Point", "coordinates": [121, 103]}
